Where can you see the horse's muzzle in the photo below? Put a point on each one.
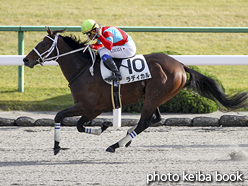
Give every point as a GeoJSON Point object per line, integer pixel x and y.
{"type": "Point", "coordinates": [29, 63]}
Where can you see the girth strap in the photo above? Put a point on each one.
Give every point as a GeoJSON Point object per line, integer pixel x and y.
{"type": "Point", "coordinates": [115, 95]}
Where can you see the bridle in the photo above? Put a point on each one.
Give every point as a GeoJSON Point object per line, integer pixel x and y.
{"type": "Point", "coordinates": [45, 55]}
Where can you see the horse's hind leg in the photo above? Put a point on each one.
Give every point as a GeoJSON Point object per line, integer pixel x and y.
{"type": "Point", "coordinates": [143, 124]}
{"type": "Point", "coordinates": [156, 117]}
{"type": "Point", "coordinates": [155, 96]}
{"type": "Point", "coordinates": [150, 113]}
{"type": "Point", "coordinates": [95, 130]}
{"type": "Point", "coordinates": [129, 131]}
{"type": "Point", "coordinates": [126, 141]}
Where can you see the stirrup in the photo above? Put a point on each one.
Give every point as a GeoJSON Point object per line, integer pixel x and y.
{"type": "Point", "coordinates": [117, 76]}
{"type": "Point", "coordinates": [114, 78]}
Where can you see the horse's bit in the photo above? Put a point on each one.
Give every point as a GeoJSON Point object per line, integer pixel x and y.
{"type": "Point", "coordinates": [44, 56]}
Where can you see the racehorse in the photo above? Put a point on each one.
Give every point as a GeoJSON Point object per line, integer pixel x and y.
{"type": "Point", "coordinates": [92, 95]}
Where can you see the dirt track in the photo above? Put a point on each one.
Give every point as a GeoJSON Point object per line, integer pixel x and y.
{"type": "Point", "coordinates": [26, 156]}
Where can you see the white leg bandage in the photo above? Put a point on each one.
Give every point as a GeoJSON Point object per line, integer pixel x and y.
{"type": "Point", "coordinates": [127, 138]}
{"type": "Point", "coordinates": [96, 131]}
{"type": "Point", "coordinates": [131, 129]}
{"type": "Point", "coordinates": [57, 135]}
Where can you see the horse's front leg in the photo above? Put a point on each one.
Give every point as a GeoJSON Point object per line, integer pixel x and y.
{"type": "Point", "coordinates": [75, 110]}
{"type": "Point", "coordinates": [69, 112]}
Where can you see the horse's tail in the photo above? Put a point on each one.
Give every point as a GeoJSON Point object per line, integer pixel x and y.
{"type": "Point", "coordinates": [209, 88]}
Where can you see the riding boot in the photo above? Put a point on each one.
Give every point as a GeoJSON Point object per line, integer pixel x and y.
{"type": "Point", "coordinates": [116, 75]}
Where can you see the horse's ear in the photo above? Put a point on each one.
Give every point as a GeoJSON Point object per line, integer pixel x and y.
{"type": "Point", "coordinates": [58, 31]}
{"type": "Point", "coordinates": [50, 32]}
{"type": "Point", "coordinates": [63, 30]}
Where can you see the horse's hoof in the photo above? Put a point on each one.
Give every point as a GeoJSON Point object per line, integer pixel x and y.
{"type": "Point", "coordinates": [88, 124]}
{"type": "Point", "coordinates": [110, 149]}
{"type": "Point", "coordinates": [56, 148]}
{"type": "Point", "coordinates": [128, 143]}
{"type": "Point", "coordinates": [105, 125]}
{"type": "Point", "coordinates": [56, 151]}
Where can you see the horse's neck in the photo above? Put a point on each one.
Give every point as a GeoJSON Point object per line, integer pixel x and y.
{"type": "Point", "coordinates": [71, 64]}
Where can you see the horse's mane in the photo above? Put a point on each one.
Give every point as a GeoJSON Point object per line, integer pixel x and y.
{"type": "Point", "coordinates": [76, 43]}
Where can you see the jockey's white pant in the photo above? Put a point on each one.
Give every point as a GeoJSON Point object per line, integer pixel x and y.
{"type": "Point", "coordinates": [125, 51]}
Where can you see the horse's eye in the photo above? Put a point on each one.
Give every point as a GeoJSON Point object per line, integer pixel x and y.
{"type": "Point", "coordinates": [43, 44]}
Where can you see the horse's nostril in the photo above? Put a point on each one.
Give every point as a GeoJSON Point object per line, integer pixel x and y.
{"type": "Point", "coordinates": [25, 60]}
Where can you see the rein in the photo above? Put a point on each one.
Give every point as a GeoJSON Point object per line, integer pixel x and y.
{"type": "Point", "coordinates": [44, 56]}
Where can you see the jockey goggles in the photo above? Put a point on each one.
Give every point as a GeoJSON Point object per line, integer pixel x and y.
{"type": "Point", "coordinates": [91, 31]}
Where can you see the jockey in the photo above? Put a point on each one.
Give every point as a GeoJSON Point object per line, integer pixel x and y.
{"type": "Point", "coordinates": [112, 42]}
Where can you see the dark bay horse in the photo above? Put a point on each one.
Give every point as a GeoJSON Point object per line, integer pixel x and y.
{"type": "Point", "coordinates": [92, 95]}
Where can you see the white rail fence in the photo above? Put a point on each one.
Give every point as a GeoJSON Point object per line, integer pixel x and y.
{"type": "Point", "coordinates": [16, 60]}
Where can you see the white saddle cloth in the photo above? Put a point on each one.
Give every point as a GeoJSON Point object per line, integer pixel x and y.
{"type": "Point", "coordinates": [131, 69]}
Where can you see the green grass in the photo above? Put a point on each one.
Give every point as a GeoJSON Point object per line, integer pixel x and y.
{"type": "Point", "coordinates": [46, 88]}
